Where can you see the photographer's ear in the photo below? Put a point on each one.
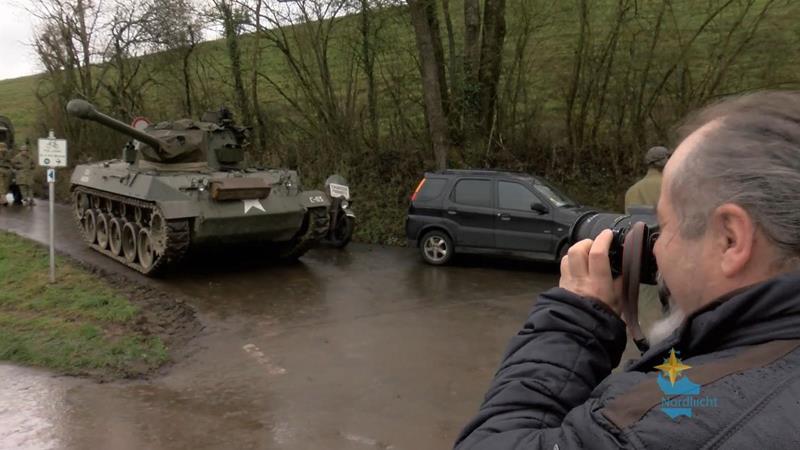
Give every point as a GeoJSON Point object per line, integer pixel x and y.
{"type": "Point", "coordinates": [734, 238]}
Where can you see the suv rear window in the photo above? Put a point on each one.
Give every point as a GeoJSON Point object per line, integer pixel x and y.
{"type": "Point", "coordinates": [431, 189]}
{"type": "Point", "coordinates": [473, 193]}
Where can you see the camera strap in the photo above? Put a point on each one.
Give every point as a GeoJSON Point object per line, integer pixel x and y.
{"type": "Point", "coordinates": [631, 273]}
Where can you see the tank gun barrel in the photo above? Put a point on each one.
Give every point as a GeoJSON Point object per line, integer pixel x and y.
{"type": "Point", "coordinates": [86, 111]}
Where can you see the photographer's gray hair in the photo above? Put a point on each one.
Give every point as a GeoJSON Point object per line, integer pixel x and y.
{"type": "Point", "coordinates": [749, 156]}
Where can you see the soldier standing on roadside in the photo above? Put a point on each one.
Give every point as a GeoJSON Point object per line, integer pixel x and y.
{"type": "Point", "coordinates": [645, 192]}
{"type": "Point", "coordinates": [23, 170]}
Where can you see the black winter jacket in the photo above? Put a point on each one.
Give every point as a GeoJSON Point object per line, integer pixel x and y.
{"type": "Point", "coordinates": [554, 389]}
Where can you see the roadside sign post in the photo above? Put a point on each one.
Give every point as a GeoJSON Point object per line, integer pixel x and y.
{"type": "Point", "coordinates": [51, 180]}
{"type": "Point", "coordinates": [52, 154]}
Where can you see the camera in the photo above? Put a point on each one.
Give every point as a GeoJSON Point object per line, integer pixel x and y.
{"type": "Point", "coordinates": [630, 254]}
{"type": "Point", "coordinates": [631, 249]}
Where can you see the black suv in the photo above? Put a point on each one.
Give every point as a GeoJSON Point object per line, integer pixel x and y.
{"type": "Point", "coordinates": [489, 212]}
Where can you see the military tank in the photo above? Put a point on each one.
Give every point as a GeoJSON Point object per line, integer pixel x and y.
{"type": "Point", "coordinates": [184, 184]}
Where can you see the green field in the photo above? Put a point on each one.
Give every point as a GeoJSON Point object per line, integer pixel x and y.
{"type": "Point", "coordinates": [18, 102]}
{"type": "Point", "coordinates": [79, 325]}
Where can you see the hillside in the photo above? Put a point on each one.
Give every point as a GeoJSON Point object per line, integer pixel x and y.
{"type": "Point", "coordinates": [632, 70]}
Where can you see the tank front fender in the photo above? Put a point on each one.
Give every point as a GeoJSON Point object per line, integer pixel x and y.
{"type": "Point", "coordinates": [179, 209]}
{"type": "Point", "coordinates": [314, 199]}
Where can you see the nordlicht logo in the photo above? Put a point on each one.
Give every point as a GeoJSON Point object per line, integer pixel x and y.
{"type": "Point", "coordinates": [680, 393]}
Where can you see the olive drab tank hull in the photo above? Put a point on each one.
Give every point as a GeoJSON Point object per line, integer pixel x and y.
{"type": "Point", "coordinates": [147, 213]}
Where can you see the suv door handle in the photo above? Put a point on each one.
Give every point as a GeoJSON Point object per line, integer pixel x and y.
{"type": "Point", "coordinates": [504, 217]}
{"type": "Point", "coordinates": [452, 212]}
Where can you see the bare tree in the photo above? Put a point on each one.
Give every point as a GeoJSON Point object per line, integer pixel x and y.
{"type": "Point", "coordinates": [434, 84]}
{"type": "Point", "coordinates": [302, 33]}
{"type": "Point", "coordinates": [258, 110]}
{"type": "Point", "coordinates": [175, 30]}
{"type": "Point", "coordinates": [68, 41]}
{"type": "Point", "coordinates": [232, 21]}
{"type": "Point", "coordinates": [493, 38]}
{"type": "Point", "coordinates": [129, 76]}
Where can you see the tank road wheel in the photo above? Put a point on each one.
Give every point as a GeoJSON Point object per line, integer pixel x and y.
{"type": "Point", "coordinates": [138, 214]}
{"type": "Point", "coordinates": [102, 230]}
{"type": "Point", "coordinates": [130, 238]}
{"type": "Point", "coordinates": [96, 202]}
{"type": "Point", "coordinates": [123, 211]}
{"type": "Point", "coordinates": [158, 233]}
{"type": "Point", "coordinates": [145, 250]}
{"type": "Point", "coordinates": [82, 203]}
{"type": "Point", "coordinates": [115, 235]}
{"type": "Point", "coordinates": [89, 225]}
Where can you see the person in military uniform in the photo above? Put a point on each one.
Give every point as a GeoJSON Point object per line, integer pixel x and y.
{"type": "Point", "coordinates": [5, 173]}
{"type": "Point", "coordinates": [645, 192]}
{"type": "Point", "coordinates": [24, 166]}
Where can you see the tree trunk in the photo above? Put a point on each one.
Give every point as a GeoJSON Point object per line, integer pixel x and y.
{"type": "Point", "coordinates": [423, 15]}
{"type": "Point", "coordinates": [368, 61]}
{"type": "Point", "coordinates": [472, 55]}
{"type": "Point", "coordinates": [261, 120]}
{"type": "Point", "coordinates": [235, 56]}
{"type": "Point", "coordinates": [494, 33]}
{"type": "Point", "coordinates": [577, 70]}
{"type": "Point", "coordinates": [187, 83]}
{"type": "Point", "coordinates": [455, 70]}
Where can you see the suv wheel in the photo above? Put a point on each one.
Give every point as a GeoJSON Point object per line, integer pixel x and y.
{"type": "Point", "coordinates": [436, 247]}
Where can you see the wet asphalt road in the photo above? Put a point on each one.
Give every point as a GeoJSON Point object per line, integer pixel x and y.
{"type": "Point", "coordinates": [366, 348]}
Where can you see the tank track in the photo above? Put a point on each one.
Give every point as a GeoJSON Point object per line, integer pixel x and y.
{"type": "Point", "coordinates": [313, 231]}
{"type": "Point", "coordinates": [176, 240]}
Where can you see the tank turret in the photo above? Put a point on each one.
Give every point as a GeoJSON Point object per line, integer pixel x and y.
{"type": "Point", "coordinates": [177, 145]}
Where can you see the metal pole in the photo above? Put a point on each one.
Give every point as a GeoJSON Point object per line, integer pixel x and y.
{"type": "Point", "coordinates": [52, 227]}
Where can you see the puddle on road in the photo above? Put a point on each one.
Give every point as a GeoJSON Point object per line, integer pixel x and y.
{"type": "Point", "coordinates": [31, 407]}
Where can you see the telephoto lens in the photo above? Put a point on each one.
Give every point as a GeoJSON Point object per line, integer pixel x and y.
{"type": "Point", "coordinates": [641, 239]}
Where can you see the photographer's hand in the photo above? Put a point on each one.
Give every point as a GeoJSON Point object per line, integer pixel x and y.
{"type": "Point", "coordinates": [586, 271]}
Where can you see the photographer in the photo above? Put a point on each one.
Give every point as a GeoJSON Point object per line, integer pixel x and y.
{"type": "Point", "coordinates": [729, 250]}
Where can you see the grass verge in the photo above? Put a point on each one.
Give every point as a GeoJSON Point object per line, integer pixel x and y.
{"type": "Point", "coordinates": [81, 325]}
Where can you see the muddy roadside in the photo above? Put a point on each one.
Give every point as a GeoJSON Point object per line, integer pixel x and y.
{"type": "Point", "coordinates": [170, 317]}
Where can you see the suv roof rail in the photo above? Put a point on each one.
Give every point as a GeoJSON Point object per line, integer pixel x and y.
{"type": "Point", "coordinates": [480, 172]}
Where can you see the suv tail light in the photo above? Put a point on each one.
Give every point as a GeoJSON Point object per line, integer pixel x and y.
{"type": "Point", "coordinates": [416, 191]}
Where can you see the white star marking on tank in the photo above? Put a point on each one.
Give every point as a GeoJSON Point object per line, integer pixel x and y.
{"type": "Point", "coordinates": [250, 204]}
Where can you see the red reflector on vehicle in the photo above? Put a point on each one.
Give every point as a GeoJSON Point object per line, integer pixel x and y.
{"type": "Point", "coordinates": [416, 191]}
